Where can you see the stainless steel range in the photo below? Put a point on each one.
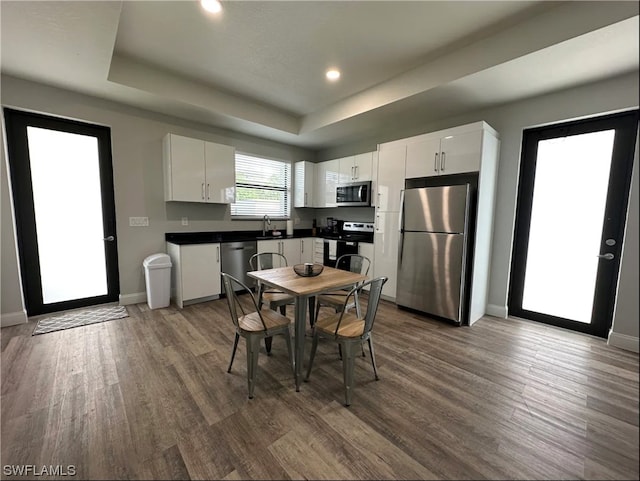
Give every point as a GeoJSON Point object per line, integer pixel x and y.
{"type": "Point", "coordinates": [346, 240]}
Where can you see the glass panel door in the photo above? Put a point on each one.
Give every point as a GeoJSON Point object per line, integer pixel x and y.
{"type": "Point", "coordinates": [572, 203]}
{"type": "Point", "coordinates": [569, 199]}
{"type": "Point", "coordinates": [65, 174]}
{"type": "Point", "coordinates": [62, 186]}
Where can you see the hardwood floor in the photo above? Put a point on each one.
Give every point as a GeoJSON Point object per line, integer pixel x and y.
{"type": "Point", "coordinates": [148, 397]}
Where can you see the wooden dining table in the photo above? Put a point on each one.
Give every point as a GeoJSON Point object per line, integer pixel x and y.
{"type": "Point", "coordinates": [302, 289]}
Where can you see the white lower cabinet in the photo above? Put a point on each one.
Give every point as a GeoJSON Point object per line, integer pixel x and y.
{"type": "Point", "coordinates": [318, 251]}
{"type": "Point", "coordinates": [307, 246]}
{"type": "Point", "coordinates": [367, 250]}
{"type": "Point", "coordinates": [195, 275]}
{"type": "Point", "coordinates": [385, 242]}
{"type": "Point", "coordinates": [290, 248]}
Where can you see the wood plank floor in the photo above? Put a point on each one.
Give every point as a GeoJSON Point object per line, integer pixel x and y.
{"type": "Point", "coordinates": [148, 397]}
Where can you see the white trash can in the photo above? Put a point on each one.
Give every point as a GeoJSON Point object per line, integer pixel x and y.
{"type": "Point", "coordinates": [157, 274]}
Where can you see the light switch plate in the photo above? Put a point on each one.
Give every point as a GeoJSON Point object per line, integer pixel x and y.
{"type": "Point", "coordinates": [185, 221]}
{"type": "Point", "coordinates": [138, 221]}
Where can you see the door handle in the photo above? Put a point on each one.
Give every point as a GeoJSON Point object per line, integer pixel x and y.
{"type": "Point", "coordinates": [442, 160]}
{"type": "Point", "coordinates": [608, 256]}
{"type": "Point", "coordinates": [435, 162]}
{"type": "Point", "coordinates": [203, 190]}
{"type": "Point", "coordinates": [217, 253]}
{"type": "Point", "coordinates": [109, 238]}
{"type": "Point", "coordinates": [208, 191]}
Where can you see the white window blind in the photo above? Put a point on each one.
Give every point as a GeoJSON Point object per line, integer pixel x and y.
{"type": "Point", "coordinates": [263, 186]}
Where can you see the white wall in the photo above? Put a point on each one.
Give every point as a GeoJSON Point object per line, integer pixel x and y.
{"type": "Point", "coordinates": [509, 120]}
{"type": "Point", "coordinates": [136, 138]}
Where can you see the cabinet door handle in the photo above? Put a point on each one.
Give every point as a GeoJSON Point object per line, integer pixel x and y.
{"type": "Point", "coordinates": [305, 198]}
{"type": "Point", "coordinates": [357, 172]}
{"type": "Point", "coordinates": [301, 246]}
{"type": "Point", "coordinates": [442, 160]}
{"type": "Point", "coordinates": [435, 163]}
{"type": "Point", "coordinates": [218, 254]}
{"type": "Point", "coordinates": [203, 191]}
{"type": "Point", "coordinates": [208, 191]}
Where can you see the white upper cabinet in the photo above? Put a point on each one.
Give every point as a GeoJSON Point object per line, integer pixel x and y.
{"type": "Point", "coordinates": [327, 178]}
{"type": "Point", "coordinates": [440, 154]}
{"type": "Point", "coordinates": [198, 171]}
{"type": "Point", "coordinates": [220, 173]}
{"type": "Point", "coordinates": [356, 168]}
{"type": "Point", "coordinates": [303, 187]}
{"type": "Point", "coordinates": [391, 160]}
{"type": "Point", "coordinates": [363, 166]}
{"type": "Point", "coordinates": [346, 173]}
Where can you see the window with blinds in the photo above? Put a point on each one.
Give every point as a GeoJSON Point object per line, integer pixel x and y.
{"type": "Point", "coordinates": [263, 186]}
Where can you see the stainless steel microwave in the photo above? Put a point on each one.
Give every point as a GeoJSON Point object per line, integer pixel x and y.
{"type": "Point", "coordinates": [354, 194]}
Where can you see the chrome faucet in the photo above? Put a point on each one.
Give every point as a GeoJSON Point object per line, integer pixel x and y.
{"type": "Point", "coordinates": [265, 222]}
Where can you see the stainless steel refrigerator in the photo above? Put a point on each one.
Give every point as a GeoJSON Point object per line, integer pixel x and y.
{"type": "Point", "coordinates": [432, 252]}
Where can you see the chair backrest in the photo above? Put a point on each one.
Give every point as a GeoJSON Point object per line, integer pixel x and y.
{"type": "Point", "coordinates": [354, 263]}
{"type": "Point", "coordinates": [267, 260]}
{"type": "Point", "coordinates": [375, 291]}
{"type": "Point", "coordinates": [230, 284]}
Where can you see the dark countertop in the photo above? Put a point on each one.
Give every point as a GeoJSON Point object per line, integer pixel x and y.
{"type": "Point", "coordinates": [228, 236]}
{"type": "Point", "coordinates": [183, 238]}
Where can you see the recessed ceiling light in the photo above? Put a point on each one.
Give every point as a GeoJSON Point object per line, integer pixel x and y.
{"type": "Point", "coordinates": [333, 74]}
{"type": "Point", "coordinates": [212, 6]}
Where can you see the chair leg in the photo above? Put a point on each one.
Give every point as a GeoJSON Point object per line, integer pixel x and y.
{"type": "Point", "coordinates": [267, 344]}
{"type": "Point", "coordinates": [290, 349]}
{"type": "Point", "coordinates": [253, 348]}
{"type": "Point", "coordinates": [348, 359]}
{"type": "Point", "coordinates": [233, 353]}
{"type": "Point", "coordinates": [314, 347]}
{"type": "Point", "coordinates": [373, 358]}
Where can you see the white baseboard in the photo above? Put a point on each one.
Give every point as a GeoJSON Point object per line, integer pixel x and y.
{"type": "Point", "coordinates": [497, 311]}
{"type": "Point", "coordinates": [13, 318]}
{"type": "Point", "coordinates": [628, 343]}
{"type": "Point", "coordinates": [135, 298]}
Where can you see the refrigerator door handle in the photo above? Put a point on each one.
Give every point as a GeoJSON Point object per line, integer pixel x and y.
{"type": "Point", "coordinates": [400, 214]}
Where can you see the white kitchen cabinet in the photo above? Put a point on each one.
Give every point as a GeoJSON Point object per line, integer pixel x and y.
{"type": "Point", "coordinates": [356, 168]}
{"type": "Point", "coordinates": [318, 250]}
{"type": "Point", "coordinates": [220, 173]}
{"type": "Point", "coordinates": [195, 274]}
{"type": "Point", "coordinates": [390, 181]}
{"type": "Point", "coordinates": [307, 246]}
{"type": "Point", "coordinates": [198, 171]}
{"type": "Point", "coordinates": [367, 250]}
{"type": "Point", "coordinates": [327, 178]}
{"type": "Point", "coordinates": [290, 248]}
{"type": "Point", "coordinates": [304, 182]}
{"type": "Point", "coordinates": [385, 250]}
{"type": "Point", "coordinates": [346, 170]}
{"type": "Point", "coordinates": [438, 154]}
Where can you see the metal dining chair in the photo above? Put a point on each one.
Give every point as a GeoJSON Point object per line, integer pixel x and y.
{"type": "Point", "coordinates": [335, 299]}
{"type": "Point", "coordinates": [349, 330]}
{"type": "Point", "coordinates": [274, 298]}
{"type": "Point", "coordinates": [253, 326]}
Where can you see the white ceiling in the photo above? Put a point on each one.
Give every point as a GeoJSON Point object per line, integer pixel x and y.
{"type": "Point", "coordinates": [259, 67]}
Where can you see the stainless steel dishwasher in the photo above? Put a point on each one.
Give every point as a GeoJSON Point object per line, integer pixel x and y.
{"type": "Point", "coordinates": [235, 259]}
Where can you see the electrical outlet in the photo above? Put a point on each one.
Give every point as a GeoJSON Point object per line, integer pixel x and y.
{"type": "Point", "coordinates": [138, 221]}
{"type": "Point", "coordinates": [185, 221]}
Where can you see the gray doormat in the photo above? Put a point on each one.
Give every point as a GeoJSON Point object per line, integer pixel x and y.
{"type": "Point", "coordinates": [80, 318]}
